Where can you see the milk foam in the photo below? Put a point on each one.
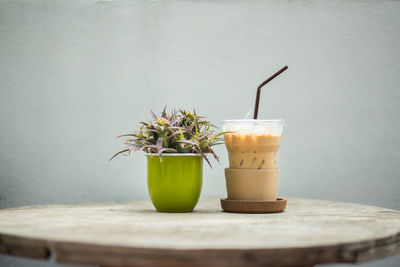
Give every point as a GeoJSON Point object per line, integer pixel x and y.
{"type": "Point", "coordinates": [254, 127]}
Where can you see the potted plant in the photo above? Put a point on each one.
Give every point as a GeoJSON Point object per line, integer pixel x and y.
{"type": "Point", "coordinates": [175, 145]}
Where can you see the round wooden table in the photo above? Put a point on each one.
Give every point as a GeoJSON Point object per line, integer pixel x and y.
{"type": "Point", "coordinates": [309, 232]}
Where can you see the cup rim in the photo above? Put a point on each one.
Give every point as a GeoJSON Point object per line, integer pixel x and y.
{"type": "Point", "coordinates": [173, 154]}
{"type": "Point", "coordinates": [274, 122]}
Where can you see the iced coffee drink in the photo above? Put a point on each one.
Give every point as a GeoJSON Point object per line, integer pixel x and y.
{"type": "Point", "coordinates": [252, 150]}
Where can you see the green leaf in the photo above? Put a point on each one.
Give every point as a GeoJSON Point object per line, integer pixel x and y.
{"type": "Point", "coordinates": [120, 152]}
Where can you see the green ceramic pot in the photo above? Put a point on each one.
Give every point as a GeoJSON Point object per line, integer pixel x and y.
{"type": "Point", "coordinates": [175, 182]}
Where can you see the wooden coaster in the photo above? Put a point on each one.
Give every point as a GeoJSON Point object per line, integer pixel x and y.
{"type": "Point", "coordinates": [254, 206]}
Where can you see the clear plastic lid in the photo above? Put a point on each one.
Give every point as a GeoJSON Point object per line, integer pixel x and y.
{"type": "Point", "coordinates": [258, 127]}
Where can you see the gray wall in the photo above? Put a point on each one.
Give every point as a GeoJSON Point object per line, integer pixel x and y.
{"type": "Point", "coordinates": [75, 74]}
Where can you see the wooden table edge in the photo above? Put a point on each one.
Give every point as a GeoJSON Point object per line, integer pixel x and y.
{"type": "Point", "coordinates": [110, 255]}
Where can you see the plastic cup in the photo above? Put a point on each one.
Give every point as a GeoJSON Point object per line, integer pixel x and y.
{"type": "Point", "coordinates": [252, 148]}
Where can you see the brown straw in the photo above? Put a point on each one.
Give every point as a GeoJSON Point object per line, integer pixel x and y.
{"type": "Point", "coordinates": [259, 90]}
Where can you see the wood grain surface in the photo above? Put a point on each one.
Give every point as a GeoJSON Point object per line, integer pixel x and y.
{"type": "Point", "coordinates": [309, 232]}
